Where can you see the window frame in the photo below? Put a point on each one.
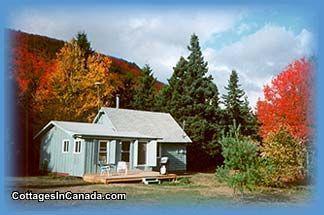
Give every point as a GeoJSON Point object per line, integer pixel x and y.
{"type": "Point", "coordinates": [63, 145]}
{"type": "Point", "coordinates": [75, 151]}
{"type": "Point", "coordinates": [106, 152]}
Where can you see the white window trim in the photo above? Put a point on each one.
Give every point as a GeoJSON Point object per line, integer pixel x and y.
{"type": "Point", "coordinates": [63, 141]}
{"type": "Point", "coordinates": [74, 146]}
{"type": "Point", "coordinates": [107, 149]}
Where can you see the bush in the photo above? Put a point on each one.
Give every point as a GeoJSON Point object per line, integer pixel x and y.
{"type": "Point", "coordinates": [288, 157]}
{"type": "Point", "coordinates": [241, 162]}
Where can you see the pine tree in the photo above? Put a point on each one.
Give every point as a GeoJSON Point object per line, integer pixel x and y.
{"type": "Point", "coordinates": [201, 102]}
{"type": "Point", "coordinates": [237, 108]}
{"type": "Point", "coordinates": [84, 44]}
{"type": "Point", "coordinates": [251, 127]}
{"type": "Point", "coordinates": [192, 99]}
{"type": "Point", "coordinates": [145, 91]}
{"type": "Point", "coordinates": [169, 98]}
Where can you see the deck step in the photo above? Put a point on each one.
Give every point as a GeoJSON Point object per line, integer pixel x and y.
{"type": "Point", "coordinates": [151, 181]}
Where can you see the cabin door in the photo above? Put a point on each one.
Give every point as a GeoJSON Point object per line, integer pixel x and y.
{"type": "Point", "coordinates": [78, 157]}
{"type": "Point", "coordinates": [125, 151]}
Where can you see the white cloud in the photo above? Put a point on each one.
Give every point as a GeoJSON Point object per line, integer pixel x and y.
{"type": "Point", "coordinates": [160, 36]}
{"type": "Point", "coordinates": [259, 57]}
{"type": "Point", "coordinates": [154, 36]}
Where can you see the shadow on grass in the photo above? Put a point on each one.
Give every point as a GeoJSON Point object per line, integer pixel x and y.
{"type": "Point", "coordinates": [289, 195]}
{"type": "Point", "coordinates": [44, 182]}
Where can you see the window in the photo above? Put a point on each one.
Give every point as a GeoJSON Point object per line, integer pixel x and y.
{"type": "Point", "coordinates": [77, 146]}
{"type": "Point", "coordinates": [141, 159]}
{"type": "Point", "coordinates": [125, 151]}
{"type": "Point", "coordinates": [103, 152]}
{"type": "Point", "coordinates": [65, 147]}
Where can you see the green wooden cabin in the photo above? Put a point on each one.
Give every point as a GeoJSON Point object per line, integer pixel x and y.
{"type": "Point", "coordinates": [140, 138]}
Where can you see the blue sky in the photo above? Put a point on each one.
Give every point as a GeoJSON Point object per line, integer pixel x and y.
{"type": "Point", "coordinates": [258, 42]}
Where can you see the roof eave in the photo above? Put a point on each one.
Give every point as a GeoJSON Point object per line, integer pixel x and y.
{"type": "Point", "coordinates": [113, 136]}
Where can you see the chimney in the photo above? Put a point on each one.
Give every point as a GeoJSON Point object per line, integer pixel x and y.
{"type": "Point", "coordinates": [117, 101]}
{"type": "Point", "coordinates": [183, 124]}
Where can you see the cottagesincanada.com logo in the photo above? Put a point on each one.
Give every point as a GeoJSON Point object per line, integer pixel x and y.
{"type": "Point", "coordinates": [68, 195]}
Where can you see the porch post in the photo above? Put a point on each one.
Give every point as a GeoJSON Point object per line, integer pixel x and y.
{"type": "Point", "coordinates": [131, 155]}
{"type": "Point", "coordinates": [112, 152]}
{"type": "Point", "coordinates": [135, 151]}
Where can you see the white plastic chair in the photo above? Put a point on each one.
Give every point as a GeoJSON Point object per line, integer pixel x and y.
{"type": "Point", "coordinates": [122, 166]}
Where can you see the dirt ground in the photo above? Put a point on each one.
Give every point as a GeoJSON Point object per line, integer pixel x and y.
{"type": "Point", "coordinates": [196, 189]}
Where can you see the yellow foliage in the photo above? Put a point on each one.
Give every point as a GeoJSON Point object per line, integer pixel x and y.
{"type": "Point", "coordinates": [288, 155]}
{"type": "Point", "coordinates": [73, 89]}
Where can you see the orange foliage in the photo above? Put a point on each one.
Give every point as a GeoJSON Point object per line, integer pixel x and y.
{"type": "Point", "coordinates": [288, 102]}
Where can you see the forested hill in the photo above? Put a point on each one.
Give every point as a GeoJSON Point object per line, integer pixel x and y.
{"type": "Point", "coordinates": [47, 48]}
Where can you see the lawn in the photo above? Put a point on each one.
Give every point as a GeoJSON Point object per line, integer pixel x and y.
{"type": "Point", "coordinates": [197, 189]}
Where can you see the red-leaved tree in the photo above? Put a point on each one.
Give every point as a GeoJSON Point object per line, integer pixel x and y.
{"type": "Point", "coordinates": [29, 71]}
{"type": "Point", "coordinates": [288, 101]}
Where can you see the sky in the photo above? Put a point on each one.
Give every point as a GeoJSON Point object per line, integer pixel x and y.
{"type": "Point", "coordinates": [257, 42]}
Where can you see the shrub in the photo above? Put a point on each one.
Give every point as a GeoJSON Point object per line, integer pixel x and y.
{"type": "Point", "coordinates": [241, 162]}
{"type": "Point", "coordinates": [288, 157]}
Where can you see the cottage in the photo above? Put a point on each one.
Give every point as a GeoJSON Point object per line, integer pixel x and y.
{"type": "Point", "coordinates": [139, 138]}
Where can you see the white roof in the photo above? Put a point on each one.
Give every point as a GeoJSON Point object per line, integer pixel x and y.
{"type": "Point", "coordinates": [91, 129]}
{"type": "Point", "coordinates": [149, 123]}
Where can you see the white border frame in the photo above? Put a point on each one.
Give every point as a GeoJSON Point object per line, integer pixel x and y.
{"type": "Point", "coordinates": [63, 141]}
{"type": "Point", "coordinates": [107, 149]}
{"type": "Point", "coordinates": [77, 140]}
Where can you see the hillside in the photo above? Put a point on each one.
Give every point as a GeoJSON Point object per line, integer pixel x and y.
{"type": "Point", "coordinates": [47, 48]}
{"type": "Point", "coordinates": [31, 66]}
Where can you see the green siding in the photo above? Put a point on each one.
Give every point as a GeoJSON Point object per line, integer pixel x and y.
{"type": "Point", "coordinates": [86, 161]}
{"type": "Point", "coordinates": [177, 160]}
{"type": "Point", "coordinates": [91, 159]}
{"type": "Point", "coordinates": [51, 150]}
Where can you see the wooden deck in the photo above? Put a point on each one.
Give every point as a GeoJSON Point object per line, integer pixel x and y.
{"type": "Point", "coordinates": [137, 176]}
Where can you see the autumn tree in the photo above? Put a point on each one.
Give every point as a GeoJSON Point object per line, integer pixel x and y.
{"type": "Point", "coordinates": [287, 155]}
{"type": "Point", "coordinates": [288, 102]}
{"type": "Point", "coordinates": [287, 123]}
{"type": "Point", "coordinates": [26, 68]}
{"type": "Point", "coordinates": [126, 91]}
{"type": "Point", "coordinates": [72, 89]}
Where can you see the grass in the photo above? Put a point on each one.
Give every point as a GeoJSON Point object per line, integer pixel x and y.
{"type": "Point", "coordinates": [48, 181]}
{"type": "Point", "coordinates": [198, 189]}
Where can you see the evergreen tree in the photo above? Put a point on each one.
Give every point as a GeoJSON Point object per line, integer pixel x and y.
{"type": "Point", "coordinates": [145, 91]}
{"type": "Point", "coordinates": [192, 99]}
{"type": "Point", "coordinates": [201, 103]}
{"type": "Point", "coordinates": [251, 122]}
{"type": "Point", "coordinates": [169, 98]}
{"type": "Point", "coordinates": [237, 108]}
{"type": "Point", "coordinates": [84, 44]}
